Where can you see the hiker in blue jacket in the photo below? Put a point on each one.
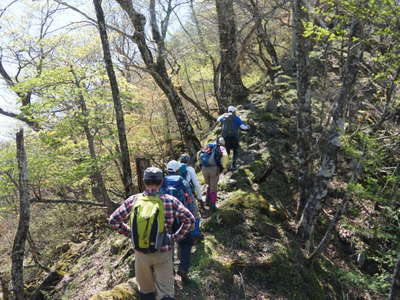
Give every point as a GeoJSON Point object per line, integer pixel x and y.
{"type": "Point", "coordinates": [231, 124]}
{"type": "Point", "coordinates": [178, 187]}
{"type": "Point", "coordinates": [189, 173]}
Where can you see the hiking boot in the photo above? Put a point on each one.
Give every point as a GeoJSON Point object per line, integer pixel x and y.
{"type": "Point", "coordinates": [184, 276]}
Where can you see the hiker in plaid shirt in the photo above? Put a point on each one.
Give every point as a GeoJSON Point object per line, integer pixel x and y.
{"type": "Point", "coordinates": [154, 271]}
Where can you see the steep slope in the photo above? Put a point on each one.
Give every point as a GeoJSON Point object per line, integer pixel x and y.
{"type": "Point", "coordinates": [250, 250]}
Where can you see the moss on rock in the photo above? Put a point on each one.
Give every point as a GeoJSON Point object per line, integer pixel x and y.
{"type": "Point", "coordinates": [256, 169]}
{"type": "Point", "coordinates": [247, 199]}
{"type": "Point", "coordinates": [124, 291]}
{"type": "Point", "coordinates": [225, 218]}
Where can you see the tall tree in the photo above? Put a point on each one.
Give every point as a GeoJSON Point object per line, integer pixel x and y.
{"type": "Point", "coordinates": [98, 187]}
{"type": "Point", "coordinates": [123, 143]}
{"type": "Point", "coordinates": [230, 88]}
{"type": "Point", "coordinates": [18, 250]}
{"type": "Point", "coordinates": [28, 55]}
{"type": "Point", "coordinates": [335, 132]}
{"type": "Point", "coordinates": [304, 130]}
{"type": "Point", "coordinates": [157, 67]}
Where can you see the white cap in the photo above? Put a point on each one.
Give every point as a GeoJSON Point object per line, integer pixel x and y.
{"type": "Point", "coordinates": [173, 166]}
{"type": "Point", "coordinates": [221, 141]}
{"type": "Point", "coordinates": [231, 108]}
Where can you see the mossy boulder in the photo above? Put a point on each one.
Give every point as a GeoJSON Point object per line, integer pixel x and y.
{"type": "Point", "coordinates": [225, 217]}
{"type": "Point", "coordinates": [124, 291]}
{"type": "Point", "coordinates": [255, 171]}
{"type": "Point", "coordinates": [245, 199]}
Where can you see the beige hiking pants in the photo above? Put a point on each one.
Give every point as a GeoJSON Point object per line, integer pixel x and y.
{"type": "Point", "coordinates": [211, 177]}
{"type": "Point", "coordinates": [154, 273]}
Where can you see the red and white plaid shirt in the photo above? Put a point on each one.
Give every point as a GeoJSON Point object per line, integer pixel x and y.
{"type": "Point", "coordinates": [173, 208]}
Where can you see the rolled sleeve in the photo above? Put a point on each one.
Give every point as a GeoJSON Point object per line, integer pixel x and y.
{"type": "Point", "coordinates": [120, 215]}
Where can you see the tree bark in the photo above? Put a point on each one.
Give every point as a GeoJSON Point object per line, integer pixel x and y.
{"type": "Point", "coordinates": [141, 165]}
{"type": "Point", "coordinates": [230, 88]}
{"type": "Point", "coordinates": [395, 289]}
{"type": "Point", "coordinates": [158, 70]}
{"type": "Point", "coordinates": [304, 130]}
{"type": "Point", "coordinates": [99, 190]}
{"type": "Point", "coordinates": [119, 115]}
{"type": "Point", "coordinates": [328, 163]}
{"type": "Point", "coordinates": [18, 250]}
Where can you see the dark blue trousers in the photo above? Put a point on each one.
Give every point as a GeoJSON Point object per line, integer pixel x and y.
{"type": "Point", "coordinates": [185, 248]}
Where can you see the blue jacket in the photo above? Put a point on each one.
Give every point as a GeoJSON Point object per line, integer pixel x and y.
{"type": "Point", "coordinates": [237, 122]}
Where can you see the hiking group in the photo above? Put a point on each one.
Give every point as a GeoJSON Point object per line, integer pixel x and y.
{"type": "Point", "coordinates": [167, 211]}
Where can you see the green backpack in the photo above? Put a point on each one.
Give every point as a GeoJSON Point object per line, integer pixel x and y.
{"type": "Point", "coordinates": [147, 223]}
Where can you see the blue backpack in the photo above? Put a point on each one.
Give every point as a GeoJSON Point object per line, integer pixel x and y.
{"type": "Point", "coordinates": [209, 156]}
{"type": "Point", "coordinates": [173, 185]}
{"type": "Point", "coordinates": [183, 171]}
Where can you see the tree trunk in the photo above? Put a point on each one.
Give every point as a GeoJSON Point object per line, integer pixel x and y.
{"type": "Point", "coordinates": [230, 89]}
{"type": "Point", "coordinates": [158, 69]}
{"type": "Point", "coordinates": [304, 130]}
{"type": "Point", "coordinates": [328, 164]}
{"type": "Point", "coordinates": [141, 165]}
{"type": "Point", "coordinates": [119, 115]}
{"type": "Point", "coordinates": [395, 290]}
{"type": "Point", "coordinates": [99, 190]}
{"type": "Point", "coordinates": [18, 250]}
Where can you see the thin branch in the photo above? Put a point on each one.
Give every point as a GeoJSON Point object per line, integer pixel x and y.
{"type": "Point", "coordinates": [326, 238]}
{"type": "Point", "coordinates": [31, 123]}
{"type": "Point", "coordinates": [67, 201]}
{"type": "Point", "coordinates": [93, 21]}
{"type": "Point", "coordinates": [3, 10]}
{"type": "Point", "coordinates": [205, 114]}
